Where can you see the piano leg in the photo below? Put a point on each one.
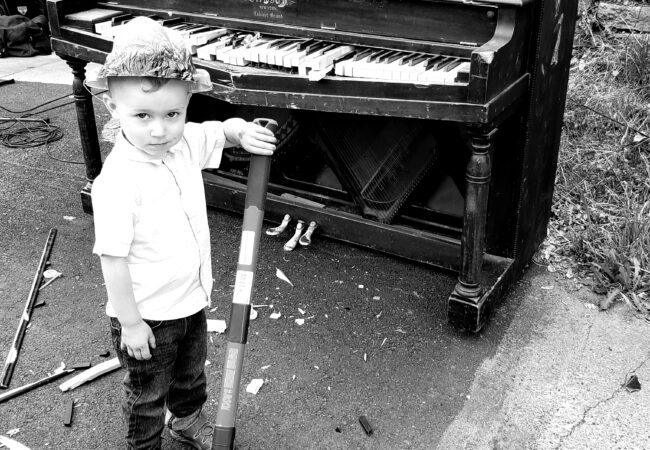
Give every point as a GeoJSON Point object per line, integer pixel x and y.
{"type": "Point", "coordinates": [466, 308]}
{"type": "Point", "coordinates": [87, 128]}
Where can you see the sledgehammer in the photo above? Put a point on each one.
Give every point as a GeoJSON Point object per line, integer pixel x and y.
{"type": "Point", "coordinates": [258, 178]}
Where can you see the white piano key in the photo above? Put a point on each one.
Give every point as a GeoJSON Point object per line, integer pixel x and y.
{"type": "Point", "coordinates": [206, 36]}
{"type": "Point", "coordinates": [317, 75]}
{"type": "Point", "coordinates": [329, 57]}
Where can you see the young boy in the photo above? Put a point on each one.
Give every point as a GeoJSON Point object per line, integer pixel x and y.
{"type": "Point", "coordinates": [151, 229]}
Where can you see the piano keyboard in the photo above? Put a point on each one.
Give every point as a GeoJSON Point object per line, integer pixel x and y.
{"type": "Point", "coordinates": [309, 58]}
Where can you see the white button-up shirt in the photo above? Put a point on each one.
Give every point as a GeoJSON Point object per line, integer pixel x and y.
{"type": "Point", "coordinates": [153, 212]}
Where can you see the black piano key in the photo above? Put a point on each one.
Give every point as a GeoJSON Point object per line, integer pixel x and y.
{"type": "Point", "coordinates": [121, 19]}
{"type": "Point", "coordinates": [350, 55]}
{"type": "Point", "coordinates": [303, 45]}
{"type": "Point", "coordinates": [417, 60]}
{"type": "Point", "coordinates": [455, 62]}
{"type": "Point", "coordinates": [315, 47]}
{"type": "Point", "coordinates": [392, 58]}
{"type": "Point", "coordinates": [170, 22]}
{"type": "Point", "coordinates": [384, 58]}
{"type": "Point", "coordinates": [407, 60]}
{"type": "Point", "coordinates": [285, 44]}
{"type": "Point", "coordinates": [435, 62]}
{"type": "Point", "coordinates": [375, 56]}
{"type": "Point", "coordinates": [362, 54]}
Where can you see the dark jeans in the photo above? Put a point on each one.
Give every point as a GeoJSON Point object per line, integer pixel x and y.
{"type": "Point", "coordinates": [173, 376]}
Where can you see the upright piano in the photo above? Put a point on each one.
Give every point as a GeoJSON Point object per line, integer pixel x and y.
{"type": "Point", "coordinates": [425, 129]}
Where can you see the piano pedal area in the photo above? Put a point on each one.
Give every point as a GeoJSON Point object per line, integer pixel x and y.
{"type": "Point", "coordinates": [298, 237]}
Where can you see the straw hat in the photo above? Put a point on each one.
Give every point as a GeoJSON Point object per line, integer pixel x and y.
{"type": "Point", "coordinates": [144, 48]}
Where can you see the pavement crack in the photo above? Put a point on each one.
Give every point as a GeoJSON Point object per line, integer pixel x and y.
{"type": "Point", "coordinates": [597, 404]}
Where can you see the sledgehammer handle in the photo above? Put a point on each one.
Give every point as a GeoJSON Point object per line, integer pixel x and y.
{"type": "Point", "coordinates": [258, 179]}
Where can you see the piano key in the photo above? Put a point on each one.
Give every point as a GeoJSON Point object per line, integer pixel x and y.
{"type": "Point", "coordinates": [208, 51]}
{"type": "Point", "coordinates": [329, 57]}
{"type": "Point", "coordinates": [452, 64]}
{"type": "Point", "coordinates": [257, 47]}
{"type": "Point", "coordinates": [171, 21]}
{"type": "Point", "coordinates": [206, 36]}
{"type": "Point", "coordinates": [317, 75]}
{"type": "Point", "coordinates": [342, 65]}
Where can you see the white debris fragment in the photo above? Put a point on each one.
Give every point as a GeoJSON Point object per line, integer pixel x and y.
{"type": "Point", "coordinates": [376, 297]}
{"type": "Point", "coordinates": [365, 357]}
{"type": "Point", "coordinates": [378, 315]}
{"type": "Point", "coordinates": [275, 315]}
{"type": "Point", "coordinates": [207, 363]}
{"type": "Point", "coordinates": [11, 444]}
{"type": "Point", "coordinates": [51, 273]}
{"type": "Point", "coordinates": [293, 377]}
{"type": "Point", "coordinates": [302, 311]}
{"type": "Point", "coordinates": [282, 276]}
{"type": "Point", "coordinates": [361, 286]}
{"type": "Point", "coordinates": [69, 217]}
{"type": "Point", "coordinates": [253, 314]}
{"type": "Point", "coordinates": [265, 367]}
{"type": "Point", "coordinates": [383, 342]}
{"type": "Point", "coordinates": [216, 326]}
{"type": "Point", "coordinates": [300, 321]}
{"type": "Point", "coordinates": [547, 288]}
{"type": "Point", "coordinates": [254, 386]}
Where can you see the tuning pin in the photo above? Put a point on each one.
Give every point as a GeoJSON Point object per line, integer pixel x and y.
{"type": "Point", "coordinates": [291, 243]}
{"type": "Point", "coordinates": [305, 239]}
{"type": "Point", "coordinates": [280, 228]}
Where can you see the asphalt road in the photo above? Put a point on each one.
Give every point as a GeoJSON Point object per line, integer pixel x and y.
{"type": "Point", "coordinates": [546, 372]}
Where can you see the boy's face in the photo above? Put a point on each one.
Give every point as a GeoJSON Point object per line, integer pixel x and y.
{"type": "Point", "coordinates": [152, 121]}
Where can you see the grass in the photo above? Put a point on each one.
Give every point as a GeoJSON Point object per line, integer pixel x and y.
{"type": "Point", "coordinates": [600, 226]}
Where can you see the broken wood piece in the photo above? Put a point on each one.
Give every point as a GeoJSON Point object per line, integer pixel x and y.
{"type": "Point", "coordinates": [81, 365]}
{"type": "Point", "coordinates": [67, 415]}
{"type": "Point", "coordinates": [90, 374]}
{"type": "Point", "coordinates": [28, 387]}
{"type": "Point", "coordinates": [366, 425]}
{"type": "Point", "coordinates": [12, 356]}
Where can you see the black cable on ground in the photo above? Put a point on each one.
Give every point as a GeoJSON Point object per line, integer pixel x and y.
{"type": "Point", "coordinates": [35, 131]}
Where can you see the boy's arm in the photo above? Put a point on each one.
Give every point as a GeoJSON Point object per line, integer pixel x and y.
{"type": "Point", "coordinates": [250, 136]}
{"type": "Point", "coordinates": [137, 337]}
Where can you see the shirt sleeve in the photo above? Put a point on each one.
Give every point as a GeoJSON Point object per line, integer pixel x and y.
{"type": "Point", "coordinates": [207, 139]}
{"type": "Point", "coordinates": [114, 208]}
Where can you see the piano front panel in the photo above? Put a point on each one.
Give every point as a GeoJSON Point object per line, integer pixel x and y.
{"type": "Point", "coordinates": [398, 21]}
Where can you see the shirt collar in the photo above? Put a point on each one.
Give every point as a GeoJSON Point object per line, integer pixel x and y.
{"type": "Point", "coordinates": [129, 151]}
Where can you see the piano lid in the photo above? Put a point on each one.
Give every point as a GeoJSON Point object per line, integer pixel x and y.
{"type": "Point", "coordinates": [450, 22]}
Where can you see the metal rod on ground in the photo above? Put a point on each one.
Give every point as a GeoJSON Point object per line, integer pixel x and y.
{"type": "Point", "coordinates": [258, 178]}
{"type": "Point", "coordinates": [12, 357]}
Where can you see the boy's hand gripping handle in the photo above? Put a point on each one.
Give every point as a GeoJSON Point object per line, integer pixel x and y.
{"type": "Point", "coordinates": [258, 178]}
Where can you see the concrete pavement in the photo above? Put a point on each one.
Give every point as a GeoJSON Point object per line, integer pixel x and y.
{"type": "Point", "coordinates": [546, 373]}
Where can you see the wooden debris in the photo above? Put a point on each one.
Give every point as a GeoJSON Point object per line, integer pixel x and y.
{"type": "Point", "coordinates": [90, 374]}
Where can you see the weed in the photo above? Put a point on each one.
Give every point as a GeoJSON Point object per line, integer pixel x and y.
{"type": "Point", "coordinates": [600, 222]}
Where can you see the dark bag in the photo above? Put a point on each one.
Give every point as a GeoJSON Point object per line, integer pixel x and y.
{"type": "Point", "coordinates": [21, 36]}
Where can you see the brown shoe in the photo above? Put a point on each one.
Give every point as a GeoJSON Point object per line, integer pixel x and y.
{"type": "Point", "coordinates": [198, 435]}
